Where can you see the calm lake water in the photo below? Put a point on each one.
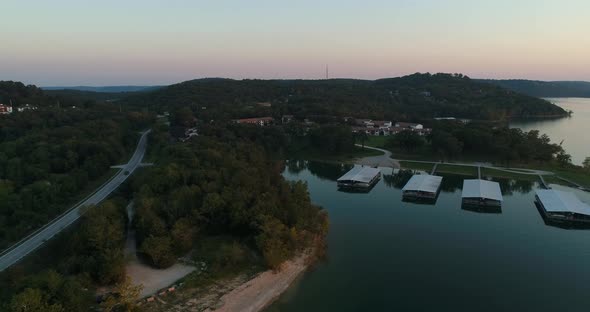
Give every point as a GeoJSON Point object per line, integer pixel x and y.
{"type": "Point", "coordinates": [573, 131]}
{"type": "Point", "coordinates": [386, 255]}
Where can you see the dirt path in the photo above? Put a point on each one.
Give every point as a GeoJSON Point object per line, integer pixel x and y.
{"type": "Point", "coordinates": [151, 279]}
{"type": "Point", "coordinates": [259, 292]}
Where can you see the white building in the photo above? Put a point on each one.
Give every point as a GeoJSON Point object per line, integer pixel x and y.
{"type": "Point", "coordinates": [5, 109]}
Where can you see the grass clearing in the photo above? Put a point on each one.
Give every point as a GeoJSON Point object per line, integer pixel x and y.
{"type": "Point", "coordinates": [376, 141]}
{"type": "Point", "coordinates": [416, 166]}
{"type": "Point", "coordinates": [455, 169]}
{"type": "Point", "coordinates": [358, 152]}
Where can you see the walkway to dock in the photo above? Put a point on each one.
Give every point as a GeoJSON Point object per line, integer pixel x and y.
{"type": "Point", "coordinates": [543, 183]}
{"type": "Point", "coordinates": [434, 169]}
{"type": "Point", "coordinates": [384, 160]}
{"type": "Point", "coordinates": [573, 183]}
{"type": "Point", "coordinates": [519, 170]}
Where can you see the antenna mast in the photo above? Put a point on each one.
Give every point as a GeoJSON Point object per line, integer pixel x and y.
{"type": "Point", "coordinates": [327, 72]}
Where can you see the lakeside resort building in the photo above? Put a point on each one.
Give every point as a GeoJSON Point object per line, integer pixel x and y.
{"type": "Point", "coordinates": [562, 207]}
{"type": "Point", "coordinates": [360, 178]}
{"type": "Point", "coordinates": [422, 187]}
{"type": "Point", "coordinates": [481, 193]}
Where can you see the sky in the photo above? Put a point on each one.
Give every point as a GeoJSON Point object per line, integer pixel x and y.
{"type": "Point", "coordinates": [149, 42]}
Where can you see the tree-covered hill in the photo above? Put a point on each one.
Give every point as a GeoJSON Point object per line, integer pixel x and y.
{"type": "Point", "coordinates": [20, 94]}
{"type": "Point", "coordinates": [545, 88]}
{"type": "Point", "coordinates": [415, 96]}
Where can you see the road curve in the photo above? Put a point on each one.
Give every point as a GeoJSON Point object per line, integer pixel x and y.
{"type": "Point", "coordinates": [18, 251]}
{"type": "Point", "coordinates": [384, 160]}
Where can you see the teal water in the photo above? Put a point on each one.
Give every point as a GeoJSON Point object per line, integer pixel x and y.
{"type": "Point", "coordinates": [572, 132]}
{"type": "Point", "coordinates": [386, 255]}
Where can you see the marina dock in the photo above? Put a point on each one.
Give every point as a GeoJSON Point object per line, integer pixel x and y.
{"type": "Point", "coordinates": [563, 207]}
{"type": "Point", "coordinates": [359, 177]}
{"type": "Point", "coordinates": [422, 186]}
{"type": "Point", "coordinates": [481, 193]}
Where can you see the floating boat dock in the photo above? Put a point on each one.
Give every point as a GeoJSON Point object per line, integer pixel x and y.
{"type": "Point", "coordinates": [360, 178]}
{"type": "Point", "coordinates": [422, 186]}
{"type": "Point", "coordinates": [481, 193]}
{"type": "Point", "coordinates": [562, 206]}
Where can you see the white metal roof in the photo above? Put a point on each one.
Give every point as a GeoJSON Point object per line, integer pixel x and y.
{"type": "Point", "coordinates": [360, 174]}
{"type": "Point", "coordinates": [423, 183]}
{"type": "Point", "coordinates": [481, 189]}
{"type": "Point", "coordinates": [560, 201]}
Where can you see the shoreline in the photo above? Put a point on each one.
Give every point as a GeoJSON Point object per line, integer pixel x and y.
{"type": "Point", "coordinates": [261, 291]}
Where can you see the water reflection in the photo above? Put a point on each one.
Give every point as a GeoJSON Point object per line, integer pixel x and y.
{"type": "Point", "coordinates": [398, 178]}
{"type": "Point", "coordinates": [482, 209]}
{"type": "Point", "coordinates": [322, 170]}
{"type": "Point", "coordinates": [567, 225]}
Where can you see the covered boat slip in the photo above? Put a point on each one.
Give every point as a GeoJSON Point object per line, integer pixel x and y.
{"type": "Point", "coordinates": [562, 206]}
{"type": "Point", "coordinates": [360, 177]}
{"type": "Point", "coordinates": [481, 193]}
{"type": "Point", "coordinates": [422, 186]}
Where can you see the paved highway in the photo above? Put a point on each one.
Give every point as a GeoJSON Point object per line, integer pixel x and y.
{"type": "Point", "coordinates": [33, 241]}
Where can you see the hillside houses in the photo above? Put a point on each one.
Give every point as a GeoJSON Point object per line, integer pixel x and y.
{"type": "Point", "coordinates": [5, 109]}
{"type": "Point", "coordinates": [261, 121]}
{"type": "Point", "coordinates": [384, 128]}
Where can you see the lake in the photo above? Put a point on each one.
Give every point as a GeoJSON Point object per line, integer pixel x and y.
{"type": "Point", "coordinates": [385, 254]}
{"type": "Point", "coordinates": [573, 131]}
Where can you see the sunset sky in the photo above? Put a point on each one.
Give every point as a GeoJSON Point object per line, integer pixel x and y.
{"type": "Point", "coordinates": [84, 42]}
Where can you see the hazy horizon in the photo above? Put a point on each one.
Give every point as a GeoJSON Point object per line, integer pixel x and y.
{"type": "Point", "coordinates": [110, 43]}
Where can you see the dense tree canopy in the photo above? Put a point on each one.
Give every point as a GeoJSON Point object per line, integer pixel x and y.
{"type": "Point", "coordinates": [414, 97]}
{"type": "Point", "coordinates": [50, 155]}
{"type": "Point", "coordinates": [217, 187]}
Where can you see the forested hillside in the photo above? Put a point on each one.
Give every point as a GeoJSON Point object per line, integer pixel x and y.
{"type": "Point", "coordinates": [545, 88]}
{"type": "Point", "coordinates": [50, 155]}
{"type": "Point", "coordinates": [416, 96]}
{"type": "Point", "coordinates": [223, 184]}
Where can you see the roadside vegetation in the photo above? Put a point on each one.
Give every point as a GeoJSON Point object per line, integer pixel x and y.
{"type": "Point", "coordinates": [226, 185]}
{"type": "Point", "coordinates": [64, 274]}
{"type": "Point", "coordinates": [51, 157]}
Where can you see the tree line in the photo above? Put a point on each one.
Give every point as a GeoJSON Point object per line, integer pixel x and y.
{"type": "Point", "coordinates": [216, 185]}
{"type": "Point", "coordinates": [48, 157]}
{"type": "Point", "coordinates": [413, 98]}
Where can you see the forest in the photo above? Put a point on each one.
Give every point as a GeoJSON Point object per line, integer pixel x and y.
{"type": "Point", "coordinates": [223, 184]}
{"type": "Point", "coordinates": [414, 97]}
{"type": "Point", "coordinates": [50, 155]}
{"type": "Point", "coordinates": [544, 88]}
{"type": "Point", "coordinates": [451, 140]}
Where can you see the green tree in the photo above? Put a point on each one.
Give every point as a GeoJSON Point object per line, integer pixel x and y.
{"type": "Point", "coordinates": [159, 251]}
{"type": "Point", "coordinates": [586, 163]}
{"type": "Point", "coordinates": [408, 140]}
{"type": "Point", "coordinates": [123, 297]}
{"type": "Point", "coordinates": [563, 158]}
{"type": "Point", "coordinates": [33, 300]}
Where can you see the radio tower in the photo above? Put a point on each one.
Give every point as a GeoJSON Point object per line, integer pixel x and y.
{"type": "Point", "coordinates": [327, 72]}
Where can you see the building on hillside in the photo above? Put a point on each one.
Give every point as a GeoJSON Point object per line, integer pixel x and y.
{"type": "Point", "coordinates": [409, 125]}
{"type": "Point", "coordinates": [189, 133]}
{"type": "Point", "coordinates": [5, 109]}
{"type": "Point", "coordinates": [414, 127]}
{"type": "Point", "coordinates": [261, 121]}
{"type": "Point", "coordinates": [287, 119]}
{"type": "Point", "coordinates": [26, 107]}
{"type": "Point", "coordinates": [264, 104]}
{"type": "Point", "coordinates": [364, 122]}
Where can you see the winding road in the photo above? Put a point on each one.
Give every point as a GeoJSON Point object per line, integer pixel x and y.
{"type": "Point", "coordinates": [27, 245]}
